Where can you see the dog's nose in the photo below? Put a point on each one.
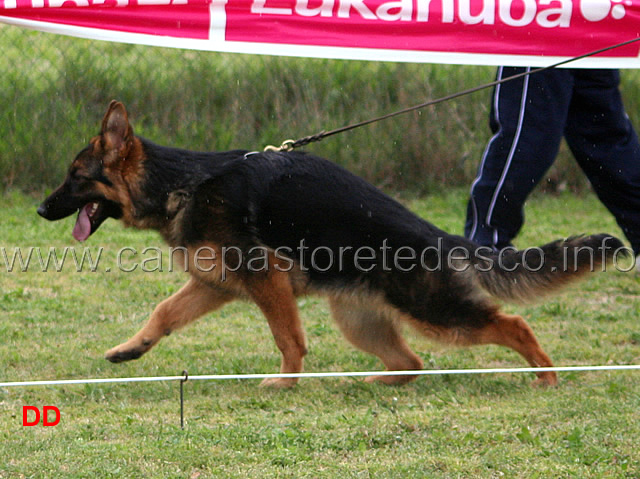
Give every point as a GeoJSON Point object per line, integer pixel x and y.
{"type": "Point", "coordinates": [42, 210]}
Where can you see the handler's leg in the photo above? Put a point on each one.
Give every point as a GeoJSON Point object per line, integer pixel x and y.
{"type": "Point", "coordinates": [527, 118]}
{"type": "Point", "coordinates": [606, 146]}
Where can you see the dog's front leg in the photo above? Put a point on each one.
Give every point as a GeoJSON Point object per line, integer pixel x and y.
{"type": "Point", "coordinates": [273, 293]}
{"type": "Point", "coordinates": [192, 301]}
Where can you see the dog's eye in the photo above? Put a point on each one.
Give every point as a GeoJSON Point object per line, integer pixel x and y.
{"type": "Point", "coordinates": [78, 176]}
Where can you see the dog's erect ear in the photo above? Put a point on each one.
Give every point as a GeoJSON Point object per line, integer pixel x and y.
{"type": "Point", "coordinates": [116, 133]}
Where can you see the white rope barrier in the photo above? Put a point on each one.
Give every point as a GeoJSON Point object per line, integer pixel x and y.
{"type": "Point", "coordinates": [218, 377]}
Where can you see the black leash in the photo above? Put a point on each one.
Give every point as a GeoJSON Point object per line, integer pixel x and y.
{"type": "Point", "coordinates": [289, 145]}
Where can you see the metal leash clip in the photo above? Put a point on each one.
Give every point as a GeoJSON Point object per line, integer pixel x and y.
{"type": "Point", "coordinates": [286, 145]}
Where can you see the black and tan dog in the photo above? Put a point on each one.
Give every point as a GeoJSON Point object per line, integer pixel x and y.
{"type": "Point", "coordinates": [269, 227]}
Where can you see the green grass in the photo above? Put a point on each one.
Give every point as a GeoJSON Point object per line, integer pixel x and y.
{"type": "Point", "coordinates": [58, 325]}
{"type": "Point", "coordinates": [56, 89]}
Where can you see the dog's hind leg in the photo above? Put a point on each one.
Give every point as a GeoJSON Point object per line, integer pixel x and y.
{"type": "Point", "coordinates": [513, 332]}
{"type": "Point", "coordinates": [273, 293]}
{"type": "Point", "coordinates": [376, 332]}
{"type": "Point", "coordinates": [192, 301]}
{"type": "Point", "coordinates": [504, 330]}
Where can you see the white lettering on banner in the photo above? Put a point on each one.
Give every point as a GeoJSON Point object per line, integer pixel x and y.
{"type": "Point", "coordinates": [486, 16]}
{"type": "Point", "coordinates": [514, 13]}
{"type": "Point", "coordinates": [403, 11]}
{"type": "Point", "coordinates": [527, 16]}
{"type": "Point", "coordinates": [597, 10]}
{"type": "Point", "coordinates": [324, 10]}
{"type": "Point", "coordinates": [159, 2]}
{"type": "Point", "coordinates": [422, 14]}
{"type": "Point", "coordinates": [562, 13]}
{"type": "Point", "coordinates": [258, 7]}
{"type": "Point", "coordinates": [423, 11]}
{"type": "Point", "coordinates": [344, 11]}
{"type": "Point", "coordinates": [119, 3]}
{"type": "Point", "coordinates": [10, 4]}
{"type": "Point", "coordinates": [58, 3]}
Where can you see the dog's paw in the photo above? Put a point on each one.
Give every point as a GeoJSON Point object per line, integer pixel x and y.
{"type": "Point", "coordinates": [546, 380]}
{"type": "Point", "coordinates": [279, 383]}
{"type": "Point", "coordinates": [390, 380]}
{"type": "Point", "coordinates": [118, 355]}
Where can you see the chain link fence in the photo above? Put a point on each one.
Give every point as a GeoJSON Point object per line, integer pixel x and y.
{"type": "Point", "coordinates": [56, 89]}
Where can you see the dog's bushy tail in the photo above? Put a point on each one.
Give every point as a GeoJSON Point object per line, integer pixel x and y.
{"type": "Point", "coordinates": [528, 274]}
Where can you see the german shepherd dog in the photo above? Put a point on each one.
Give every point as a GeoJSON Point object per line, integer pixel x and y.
{"type": "Point", "coordinates": [277, 225]}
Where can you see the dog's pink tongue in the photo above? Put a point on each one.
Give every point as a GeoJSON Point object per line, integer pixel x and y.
{"type": "Point", "coordinates": [82, 229]}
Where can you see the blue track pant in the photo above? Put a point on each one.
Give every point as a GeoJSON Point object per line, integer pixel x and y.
{"type": "Point", "coordinates": [529, 117]}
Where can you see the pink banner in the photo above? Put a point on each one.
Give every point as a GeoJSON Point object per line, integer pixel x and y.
{"type": "Point", "coordinates": [516, 32]}
{"type": "Point", "coordinates": [181, 19]}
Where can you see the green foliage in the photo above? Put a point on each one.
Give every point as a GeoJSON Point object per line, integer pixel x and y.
{"type": "Point", "coordinates": [57, 325]}
{"type": "Point", "coordinates": [56, 89]}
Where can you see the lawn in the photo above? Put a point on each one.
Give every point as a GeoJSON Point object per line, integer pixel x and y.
{"type": "Point", "coordinates": [58, 324]}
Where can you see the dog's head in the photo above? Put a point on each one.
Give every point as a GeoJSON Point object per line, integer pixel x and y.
{"type": "Point", "coordinates": [98, 180]}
